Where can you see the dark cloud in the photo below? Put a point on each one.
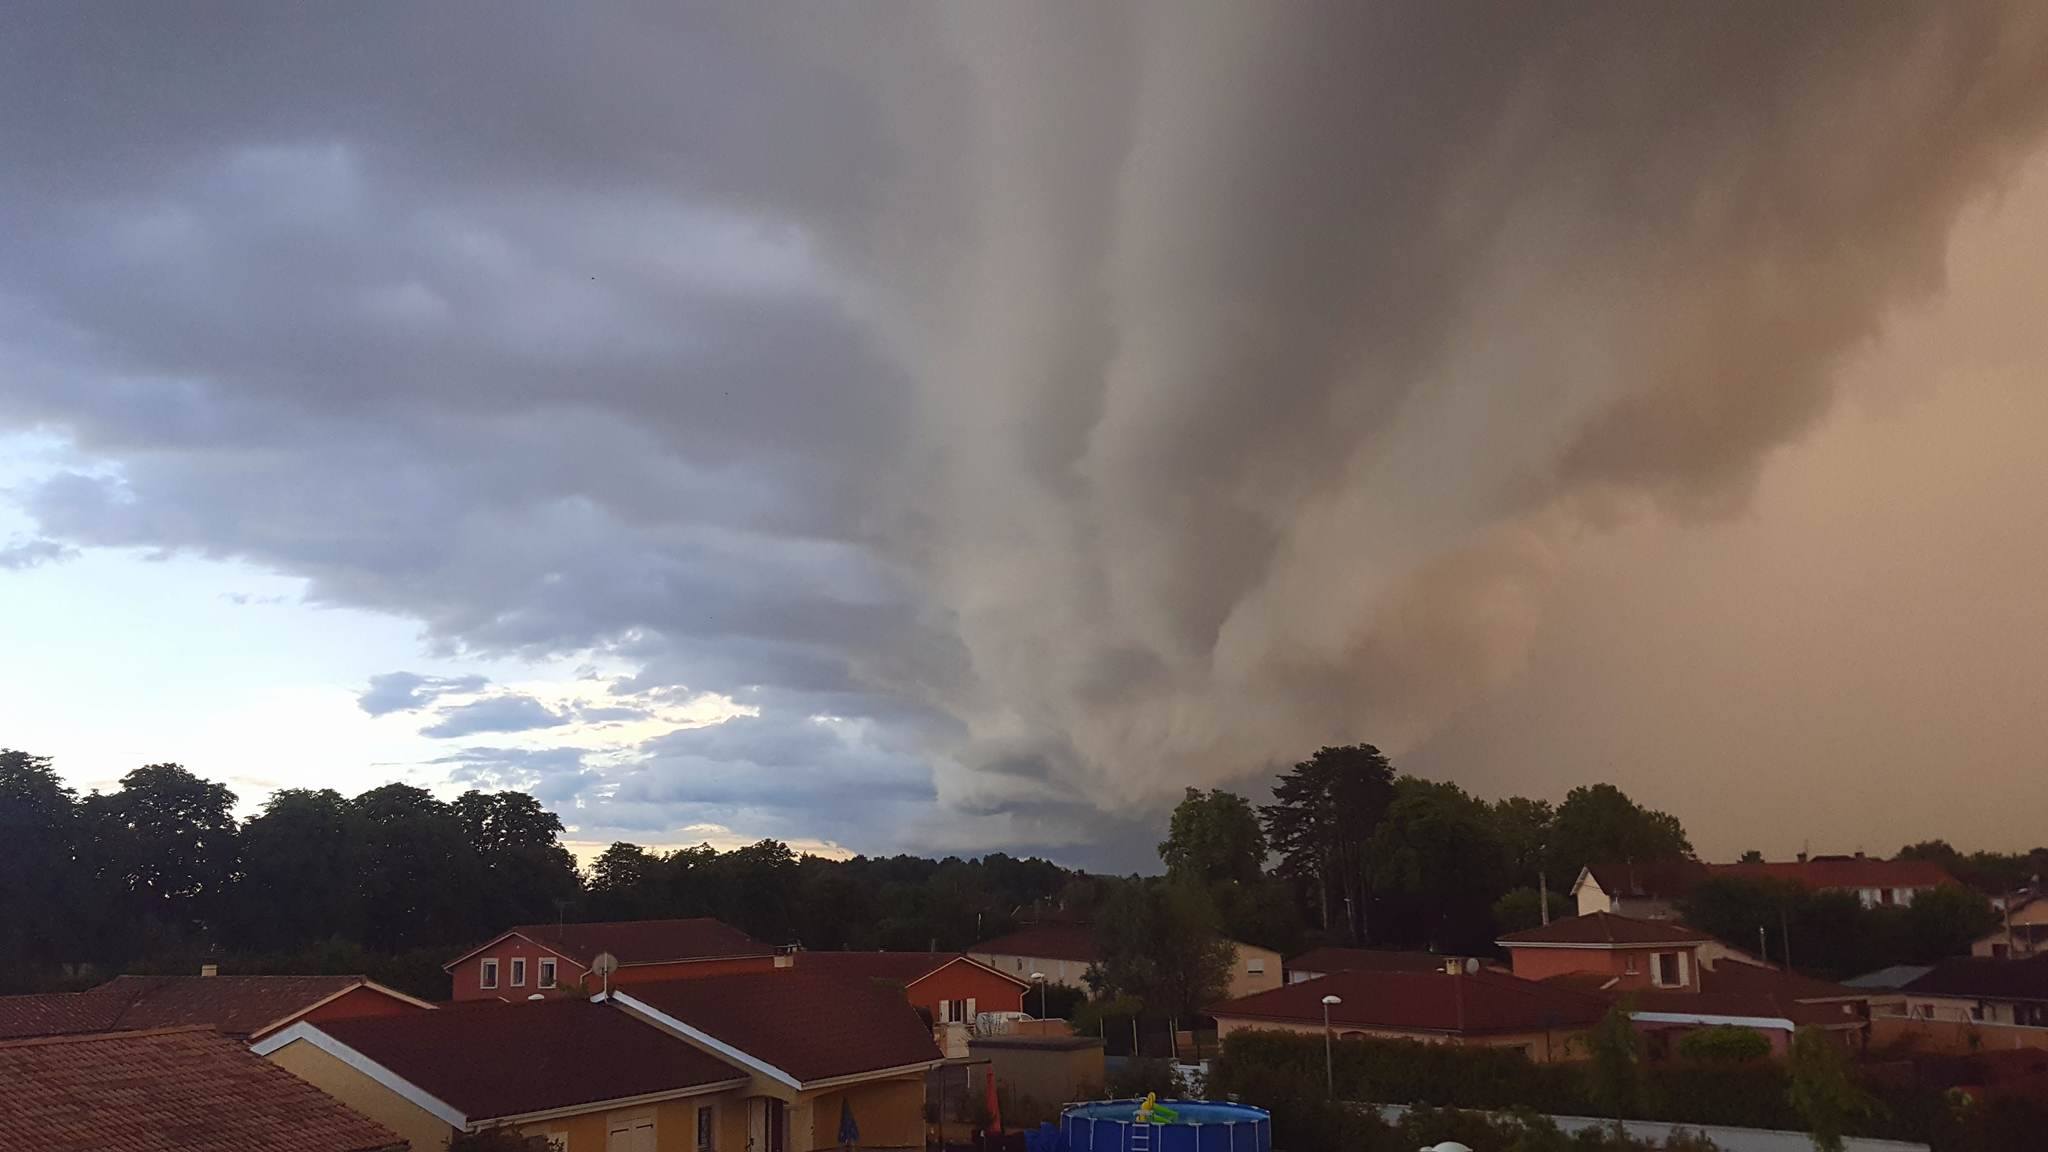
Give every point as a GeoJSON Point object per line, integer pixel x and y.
{"type": "Point", "coordinates": [406, 691]}
{"type": "Point", "coordinates": [34, 553]}
{"type": "Point", "coordinates": [1073, 400]}
{"type": "Point", "coordinates": [511, 712]}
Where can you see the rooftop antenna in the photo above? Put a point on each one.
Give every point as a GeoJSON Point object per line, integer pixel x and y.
{"type": "Point", "coordinates": [603, 965]}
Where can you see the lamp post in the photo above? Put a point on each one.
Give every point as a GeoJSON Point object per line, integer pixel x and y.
{"type": "Point", "coordinates": [1038, 978]}
{"type": "Point", "coordinates": [1329, 1065]}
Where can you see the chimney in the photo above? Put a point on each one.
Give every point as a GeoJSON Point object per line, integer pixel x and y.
{"type": "Point", "coordinates": [1454, 967]}
{"type": "Point", "coordinates": [209, 969]}
{"type": "Point", "coordinates": [1802, 857]}
{"type": "Point", "coordinates": [1859, 853]}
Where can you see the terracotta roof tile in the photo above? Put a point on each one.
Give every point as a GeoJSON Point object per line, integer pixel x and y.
{"type": "Point", "coordinates": [1661, 878]}
{"type": "Point", "coordinates": [1841, 872]}
{"type": "Point", "coordinates": [1327, 960]}
{"type": "Point", "coordinates": [490, 1060]}
{"type": "Point", "coordinates": [1606, 930]}
{"type": "Point", "coordinates": [1733, 989]}
{"type": "Point", "coordinates": [181, 1090]}
{"type": "Point", "coordinates": [900, 967]}
{"type": "Point", "coordinates": [1433, 1002]}
{"type": "Point", "coordinates": [637, 941]}
{"type": "Point", "coordinates": [812, 1025]}
{"type": "Point", "coordinates": [236, 1005]}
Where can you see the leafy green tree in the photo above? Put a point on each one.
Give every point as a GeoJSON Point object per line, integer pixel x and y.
{"type": "Point", "coordinates": [1614, 1071]}
{"type": "Point", "coordinates": [42, 881]}
{"type": "Point", "coordinates": [298, 886]}
{"type": "Point", "coordinates": [417, 870]}
{"type": "Point", "coordinates": [1945, 920]}
{"type": "Point", "coordinates": [1823, 1090]}
{"type": "Point", "coordinates": [1524, 826]}
{"type": "Point", "coordinates": [1214, 838]}
{"type": "Point", "coordinates": [1751, 856]}
{"type": "Point", "coordinates": [1157, 941]}
{"type": "Point", "coordinates": [168, 842]}
{"type": "Point", "coordinates": [1599, 823]}
{"type": "Point", "coordinates": [1436, 853]}
{"type": "Point", "coordinates": [528, 876]}
{"type": "Point", "coordinates": [1518, 909]}
{"type": "Point", "coordinates": [1321, 823]}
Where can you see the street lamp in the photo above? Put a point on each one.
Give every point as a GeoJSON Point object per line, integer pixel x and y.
{"type": "Point", "coordinates": [1038, 978]}
{"type": "Point", "coordinates": [1329, 1066]}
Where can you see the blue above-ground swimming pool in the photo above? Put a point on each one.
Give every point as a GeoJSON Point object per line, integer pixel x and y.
{"type": "Point", "coordinates": [1201, 1126]}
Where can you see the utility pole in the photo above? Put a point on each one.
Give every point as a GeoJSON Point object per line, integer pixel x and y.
{"type": "Point", "coordinates": [1543, 889]}
{"type": "Point", "coordinates": [1785, 937]}
{"type": "Point", "coordinates": [1763, 946]}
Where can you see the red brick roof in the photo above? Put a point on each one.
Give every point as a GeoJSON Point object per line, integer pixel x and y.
{"type": "Point", "coordinates": [178, 1090]}
{"type": "Point", "coordinates": [1044, 941]}
{"type": "Point", "coordinates": [489, 1060]}
{"type": "Point", "coordinates": [811, 1025]}
{"type": "Point", "coordinates": [636, 941]}
{"type": "Point", "coordinates": [236, 1005]}
{"type": "Point", "coordinates": [1823, 872]}
{"type": "Point", "coordinates": [904, 968]}
{"type": "Point", "coordinates": [1605, 930]}
{"type": "Point", "coordinates": [1327, 960]}
{"type": "Point", "coordinates": [1433, 1002]}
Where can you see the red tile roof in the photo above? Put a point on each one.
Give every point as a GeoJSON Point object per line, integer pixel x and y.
{"type": "Point", "coordinates": [489, 1060]}
{"type": "Point", "coordinates": [236, 1005]}
{"type": "Point", "coordinates": [1605, 930]}
{"type": "Point", "coordinates": [636, 941]}
{"type": "Point", "coordinates": [1735, 989]}
{"type": "Point", "coordinates": [811, 1025]}
{"type": "Point", "coordinates": [1664, 878]}
{"type": "Point", "coordinates": [1044, 941]}
{"type": "Point", "coordinates": [178, 1090]}
{"type": "Point", "coordinates": [1823, 872]}
{"type": "Point", "coordinates": [1979, 978]}
{"type": "Point", "coordinates": [1327, 960]}
{"type": "Point", "coordinates": [904, 968]}
{"type": "Point", "coordinates": [1474, 1003]}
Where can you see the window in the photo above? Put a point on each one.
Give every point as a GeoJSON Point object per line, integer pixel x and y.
{"type": "Point", "coordinates": [1255, 966]}
{"type": "Point", "coordinates": [1668, 970]}
{"type": "Point", "coordinates": [547, 971]}
{"type": "Point", "coordinates": [707, 1129]}
{"type": "Point", "coordinates": [489, 979]}
{"type": "Point", "coordinates": [955, 1012]}
{"type": "Point", "coordinates": [519, 971]}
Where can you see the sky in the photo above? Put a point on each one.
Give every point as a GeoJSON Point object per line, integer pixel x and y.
{"type": "Point", "coordinates": [959, 427]}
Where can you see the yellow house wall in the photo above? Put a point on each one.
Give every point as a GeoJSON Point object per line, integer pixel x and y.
{"type": "Point", "coordinates": [1244, 982]}
{"type": "Point", "coordinates": [425, 1131]}
{"type": "Point", "coordinates": [675, 1125]}
{"type": "Point", "coordinates": [890, 1114]}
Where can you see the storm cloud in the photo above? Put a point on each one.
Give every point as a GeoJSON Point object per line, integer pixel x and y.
{"type": "Point", "coordinates": [1028, 409]}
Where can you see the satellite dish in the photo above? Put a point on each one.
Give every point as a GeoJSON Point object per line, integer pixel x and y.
{"type": "Point", "coordinates": [1447, 1146]}
{"type": "Point", "coordinates": [1471, 965]}
{"type": "Point", "coordinates": [603, 966]}
{"type": "Point", "coordinates": [536, 996]}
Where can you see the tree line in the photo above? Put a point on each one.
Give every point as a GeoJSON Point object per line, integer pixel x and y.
{"type": "Point", "coordinates": [158, 875]}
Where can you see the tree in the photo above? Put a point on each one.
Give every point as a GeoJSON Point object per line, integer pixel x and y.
{"type": "Point", "coordinates": [1437, 855]}
{"type": "Point", "coordinates": [1614, 1073]}
{"type": "Point", "coordinates": [418, 872]}
{"type": "Point", "coordinates": [528, 875]}
{"type": "Point", "coordinates": [1724, 1044]}
{"type": "Point", "coordinates": [1751, 856]}
{"type": "Point", "coordinates": [1524, 827]}
{"type": "Point", "coordinates": [168, 841]}
{"type": "Point", "coordinates": [299, 862]}
{"type": "Point", "coordinates": [1157, 941]}
{"type": "Point", "coordinates": [1600, 823]}
{"type": "Point", "coordinates": [1520, 908]}
{"type": "Point", "coordinates": [1214, 838]}
{"type": "Point", "coordinates": [1945, 920]}
{"type": "Point", "coordinates": [1823, 1090]}
{"type": "Point", "coordinates": [1321, 824]}
{"type": "Point", "coordinates": [41, 880]}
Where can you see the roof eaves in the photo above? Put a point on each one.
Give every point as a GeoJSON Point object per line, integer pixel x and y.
{"type": "Point", "coordinates": [311, 1034]}
{"type": "Point", "coordinates": [610, 1103]}
{"type": "Point", "coordinates": [501, 936]}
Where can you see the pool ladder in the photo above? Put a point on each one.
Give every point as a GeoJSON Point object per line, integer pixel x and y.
{"type": "Point", "coordinates": [1141, 1138]}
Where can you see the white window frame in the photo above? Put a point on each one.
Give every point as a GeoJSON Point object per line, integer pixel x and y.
{"type": "Point", "coordinates": [519, 972]}
{"type": "Point", "coordinates": [706, 1142]}
{"type": "Point", "coordinates": [487, 973]}
{"type": "Point", "coordinates": [546, 975]}
{"type": "Point", "coordinates": [1678, 969]}
{"type": "Point", "coordinates": [1633, 969]}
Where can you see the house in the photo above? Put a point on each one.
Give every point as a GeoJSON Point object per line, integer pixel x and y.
{"type": "Point", "coordinates": [168, 1090]}
{"type": "Point", "coordinates": [1676, 980]}
{"type": "Point", "coordinates": [1479, 1008]}
{"type": "Point", "coordinates": [589, 1077]}
{"type": "Point", "coordinates": [816, 1046]}
{"type": "Point", "coordinates": [1317, 963]}
{"type": "Point", "coordinates": [1635, 953]}
{"type": "Point", "coordinates": [2024, 932]}
{"type": "Point", "coordinates": [1063, 952]}
{"type": "Point", "coordinates": [1638, 889]}
{"type": "Point", "coordinates": [245, 1007]}
{"type": "Point", "coordinates": [1875, 882]}
{"type": "Point", "coordinates": [1981, 990]}
{"type": "Point", "coordinates": [547, 958]}
{"type": "Point", "coordinates": [955, 989]}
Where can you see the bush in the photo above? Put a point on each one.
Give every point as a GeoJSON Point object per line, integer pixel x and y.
{"type": "Point", "coordinates": [1724, 1044]}
{"type": "Point", "coordinates": [1135, 1078]}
